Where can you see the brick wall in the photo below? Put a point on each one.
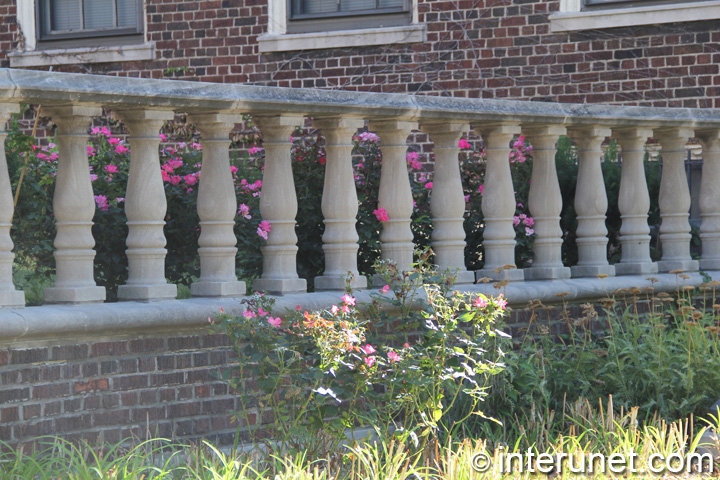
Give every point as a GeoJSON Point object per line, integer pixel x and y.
{"type": "Point", "coordinates": [112, 389]}
{"type": "Point", "coordinates": [483, 48]}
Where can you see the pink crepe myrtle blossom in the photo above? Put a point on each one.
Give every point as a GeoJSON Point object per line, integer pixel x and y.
{"type": "Point", "coordinates": [163, 137]}
{"type": "Point", "coordinates": [274, 321]}
{"type": "Point", "coordinates": [100, 131]}
{"type": "Point", "coordinates": [175, 179]}
{"type": "Point", "coordinates": [196, 146]}
{"type": "Point", "coordinates": [233, 169]}
{"type": "Point", "coordinates": [529, 221]}
{"type": "Point", "coordinates": [182, 145]}
{"type": "Point", "coordinates": [93, 177]}
{"type": "Point", "coordinates": [102, 202]}
{"type": "Point", "coordinates": [254, 150]}
{"type": "Point", "coordinates": [120, 199]}
{"type": "Point", "coordinates": [165, 176]}
{"type": "Point", "coordinates": [429, 185]}
{"type": "Point", "coordinates": [413, 160]}
{"type": "Point", "coordinates": [481, 189]}
{"type": "Point", "coordinates": [111, 168]}
{"type": "Point", "coordinates": [381, 214]}
{"type": "Point", "coordinates": [529, 231]}
{"type": "Point", "coordinates": [393, 357]}
{"type": "Point", "coordinates": [190, 179]}
{"type": "Point", "coordinates": [113, 141]}
{"type": "Point", "coordinates": [348, 299]}
{"type": "Point", "coordinates": [91, 151]}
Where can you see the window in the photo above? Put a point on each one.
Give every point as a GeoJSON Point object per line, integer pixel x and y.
{"type": "Point", "coordinates": [321, 24]}
{"type": "Point", "coordinates": [575, 15]}
{"type": "Point", "coordinates": [326, 15]}
{"type": "Point", "coordinates": [70, 19]}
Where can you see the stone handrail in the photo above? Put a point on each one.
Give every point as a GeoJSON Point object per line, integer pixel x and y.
{"type": "Point", "coordinates": [143, 104]}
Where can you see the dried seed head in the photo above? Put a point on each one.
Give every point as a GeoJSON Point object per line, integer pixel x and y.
{"type": "Point", "coordinates": [652, 279]}
{"type": "Point", "coordinates": [602, 275]}
{"type": "Point", "coordinates": [677, 271]}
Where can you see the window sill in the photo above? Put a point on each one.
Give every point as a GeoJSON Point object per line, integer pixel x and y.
{"type": "Point", "coordinates": [342, 38]}
{"type": "Point", "coordinates": [630, 17]}
{"type": "Point", "coordinates": [69, 56]}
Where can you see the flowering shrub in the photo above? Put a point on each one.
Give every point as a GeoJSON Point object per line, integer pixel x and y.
{"type": "Point", "coordinates": [473, 174]}
{"type": "Point", "coordinates": [322, 372]}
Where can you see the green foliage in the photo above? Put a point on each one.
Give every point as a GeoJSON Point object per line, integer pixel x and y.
{"type": "Point", "coordinates": [321, 373]}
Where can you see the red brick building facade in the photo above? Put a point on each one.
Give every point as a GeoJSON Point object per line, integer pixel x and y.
{"type": "Point", "coordinates": [633, 52]}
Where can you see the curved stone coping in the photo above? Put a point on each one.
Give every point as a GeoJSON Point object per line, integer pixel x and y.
{"type": "Point", "coordinates": [135, 318]}
{"type": "Point", "coordinates": [54, 88]}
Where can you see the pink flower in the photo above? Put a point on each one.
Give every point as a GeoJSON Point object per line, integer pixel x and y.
{"type": "Point", "coordinates": [113, 141]}
{"type": "Point", "coordinates": [381, 214]}
{"type": "Point", "coordinates": [182, 145]}
{"type": "Point", "coordinates": [464, 144]}
{"type": "Point", "coordinates": [120, 199]}
{"type": "Point", "coordinates": [196, 146]}
{"type": "Point", "coordinates": [102, 202]}
{"type": "Point", "coordinates": [111, 168]}
{"type": "Point", "coordinates": [516, 220]}
{"type": "Point", "coordinates": [345, 309]}
{"type": "Point", "coordinates": [369, 137]}
{"type": "Point", "coordinates": [480, 302]}
{"type": "Point", "coordinates": [163, 137]}
{"type": "Point", "coordinates": [348, 299]}
{"type": "Point", "coordinates": [406, 345]}
{"type": "Point", "coordinates": [481, 189]}
{"type": "Point", "coordinates": [369, 361]}
{"type": "Point", "coordinates": [249, 314]}
{"type": "Point", "coordinates": [274, 321]}
{"type": "Point", "coordinates": [233, 169]}
{"type": "Point", "coordinates": [322, 160]}
{"type": "Point", "coordinates": [429, 185]}
{"type": "Point", "coordinates": [467, 198]}
{"type": "Point", "coordinates": [254, 150]}
{"type": "Point", "coordinates": [393, 357]}
{"type": "Point", "coordinates": [262, 312]}
{"type": "Point", "coordinates": [165, 176]}
{"type": "Point", "coordinates": [334, 309]}
{"type": "Point", "coordinates": [502, 303]}
{"type": "Point", "coordinates": [190, 179]}
{"type": "Point", "coordinates": [368, 349]}
{"type": "Point", "coordinates": [263, 229]}
{"type": "Point", "coordinates": [100, 131]}
{"type": "Point", "coordinates": [385, 289]}
{"type": "Point", "coordinates": [93, 177]}
{"type": "Point", "coordinates": [529, 221]}
{"type": "Point", "coordinates": [91, 151]}
{"type": "Point", "coordinates": [529, 231]}
{"type": "Point", "coordinates": [244, 211]}
{"type": "Point", "coordinates": [175, 179]}
{"type": "Point", "coordinates": [262, 233]}
{"type": "Point", "coordinates": [120, 149]}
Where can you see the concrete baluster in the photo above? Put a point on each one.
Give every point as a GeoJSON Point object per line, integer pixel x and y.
{"type": "Point", "coordinates": [545, 203]}
{"type": "Point", "coordinates": [278, 206]}
{"type": "Point", "coordinates": [447, 203]}
{"type": "Point", "coordinates": [145, 207]}
{"type": "Point", "coordinates": [339, 205]}
{"type": "Point", "coordinates": [9, 297]}
{"type": "Point", "coordinates": [395, 194]}
{"type": "Point", "coordinates": [710, 200]}
{"type": "Point", "coordinates": [634, 204]}
{"type": "Point", "coordinates": [217, 207]}
{"type": "Point", "coordinates": [73, 208]}
{"type": "Point", "coordinates": [498, 204]}
{"type": "Point", "coordinates": [591, 204]}
{"type": "Point", "coordinates": [674, 201]}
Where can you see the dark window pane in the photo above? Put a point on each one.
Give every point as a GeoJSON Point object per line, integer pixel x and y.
{"type": "Point", "coordinates": [127, 14]}
{"type": "Point", "coordinates": [99, 14]}
{"type": "Point", "coordinates": [65, 15]}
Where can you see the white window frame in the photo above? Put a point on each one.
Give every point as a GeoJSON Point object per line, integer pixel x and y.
{"type": "Point", "coordinates": [278, 40]}
{"type": "Point", "coordinates": [30, 54]}
{"type": "Point", "coordinates": [571, 17]}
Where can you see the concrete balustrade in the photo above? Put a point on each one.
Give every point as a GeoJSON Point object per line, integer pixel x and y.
{"type": "Point", "coordinates": [73, 100]}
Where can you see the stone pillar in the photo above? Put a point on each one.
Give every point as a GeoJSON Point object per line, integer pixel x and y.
{"type": "Point", "coordinates": [710, 200]}
{"type": "Point", "coordinates": [73, 208]}
{"type": "Point", "coordinates": [447, 202]}
{"type": "Point", "coordinates": [217, 207]}
{"type": "Point", "coordinates": [634, 204]}
{"type": "Point", "coordinates": [9, 297]}
{"type": "Point", "coordinates": [498, 204]}
{"type": "Point", "coordinates": [395, 194]}
{"type": "Point", "coordinates": [278, 205]}
{"type": "Point", "coordinates": [674, 200]}
{"type": "Point", "coordinates": [591, 204]}
{"type": "Point", "coordinates": [145, 208]}
{"type": "Point", "coordinates": [545, 203]}
{"type": "Point", "coordinates": [339, 205]}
